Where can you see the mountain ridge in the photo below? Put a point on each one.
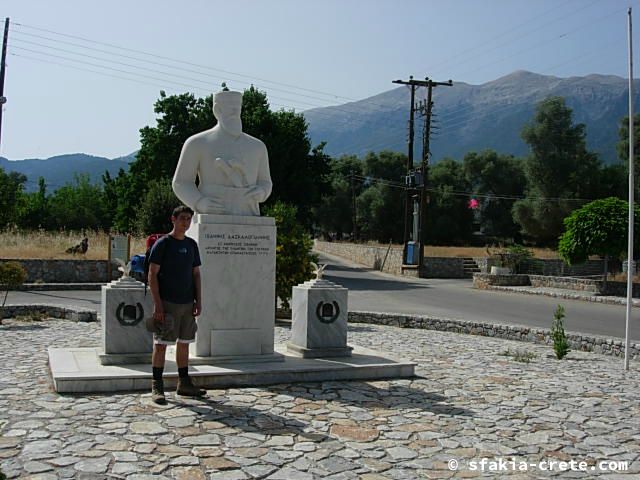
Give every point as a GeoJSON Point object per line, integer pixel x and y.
{"type": "Point", "coordinates": [474, 117]}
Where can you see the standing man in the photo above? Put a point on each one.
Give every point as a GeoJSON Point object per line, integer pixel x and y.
{"type": "Point", "coordinates": [174, 280]}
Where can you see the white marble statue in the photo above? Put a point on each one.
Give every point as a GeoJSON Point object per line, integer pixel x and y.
{"type": "Point", "coordinates": [232, 167]}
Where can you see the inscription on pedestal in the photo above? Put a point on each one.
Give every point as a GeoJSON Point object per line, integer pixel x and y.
{"type": "Point", "coordinates": [238, 286]}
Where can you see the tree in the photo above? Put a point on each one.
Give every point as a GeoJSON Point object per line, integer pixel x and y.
{"type": "Point", "coordinates": [381, 204]}
{"type": "Point", "coordinates": [493, 176]}
{"type": "Point", "coordinates": [121, 197]}
{"type": "Point", "coordinates": [559, 167]}
{"type": "Point", "coordinates": [449, 218]}
{"type": "Point", "coordinates": [598, 228]}
{"type": "Point", "coordinates": [34, 211]}
{"type": "Point", "coordinates": [622, 147]}
{"type": "Point", "coordinates": [293, 251]}
{"type": "Point", "coordinates": [78, 206]}
{"type": "Point", "coordinates": [154, 214]}
{"type": "Point", "coordinates": [335, 213]}
{"type": "Point", "coordinates": [11, 187]}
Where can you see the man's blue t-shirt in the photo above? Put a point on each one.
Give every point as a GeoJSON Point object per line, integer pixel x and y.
{"type": "Point", "coordinates": [176, 258]}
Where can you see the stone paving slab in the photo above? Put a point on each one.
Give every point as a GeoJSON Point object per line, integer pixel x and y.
{"type": "Point", "coordinates": [472, 400]}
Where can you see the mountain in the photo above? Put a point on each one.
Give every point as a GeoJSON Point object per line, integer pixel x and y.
{"type": "Point", "coordinates": [474, 117]}
{"type": "Point", "coordinates": [59, 170]}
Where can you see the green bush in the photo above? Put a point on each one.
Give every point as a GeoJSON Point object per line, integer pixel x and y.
{"type": "Point", "coordinates": [12, 275]}
{"type": "Point", "coordinates": [560, 342]}
{"type": "Point", "coordinates": [293, 251]}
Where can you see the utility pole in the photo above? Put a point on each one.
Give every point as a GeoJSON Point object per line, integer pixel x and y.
{"type": "Point", "coordinates": [407, 199]}
{"type": "Point", "coordinates": [354, 228]}
{"type": "Point", "coordinates": [426, 110]}
{"type": "Point", "coordinates": [3, 99]}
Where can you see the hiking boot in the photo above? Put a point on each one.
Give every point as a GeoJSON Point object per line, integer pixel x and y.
{"type": "Point", "coordinates": [188, 389]}
{"type": "Point", "coordinates": [157, 392]}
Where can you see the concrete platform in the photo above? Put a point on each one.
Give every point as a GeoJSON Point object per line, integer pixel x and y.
{"type": "Point", "coordinates": [78, 370]}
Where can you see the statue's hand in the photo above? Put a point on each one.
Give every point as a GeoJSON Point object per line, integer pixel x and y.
{"type": "Point", "coordinates": [208, 205]}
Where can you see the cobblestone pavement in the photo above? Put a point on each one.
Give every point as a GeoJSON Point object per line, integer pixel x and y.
{"type": "Point", "coordinates": [470, 401]}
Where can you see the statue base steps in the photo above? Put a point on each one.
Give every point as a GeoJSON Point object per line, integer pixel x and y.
{"type": "Point", "coordinates": [78, 370]}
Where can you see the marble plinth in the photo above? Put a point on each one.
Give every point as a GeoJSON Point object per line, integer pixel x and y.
{"type": "Point", "coordinates": [238, 285]}
{"type": "Point", "coordinates": [78, 370]}
{"type": "Point", "coordinates": [124, 335]}
{"type": "Point", "coordinates": [319, 320]}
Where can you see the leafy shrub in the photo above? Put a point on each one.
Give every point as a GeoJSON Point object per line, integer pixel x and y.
{"type": "Point", "coordinates": [560, 342]}
{"type": "Point", "coordinates": [511, 257]}
{"type": "Point", "coordinates": [293, 251]}
{"type": "Point", "coordinates": [12, 275]}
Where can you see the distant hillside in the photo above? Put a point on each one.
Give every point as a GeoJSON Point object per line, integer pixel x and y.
{"type": "Point", "coordinates": [474, 117]}
{"type": "Point", "coordinates": [59, 170]}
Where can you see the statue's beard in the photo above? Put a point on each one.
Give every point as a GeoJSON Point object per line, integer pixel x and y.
{"type": "Point", "coordinates": [232, 125]}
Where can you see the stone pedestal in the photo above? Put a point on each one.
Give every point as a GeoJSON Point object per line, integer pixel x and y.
{"type": "Point", "coordinates": [319, 320]}
{"type": "Point", "coordinates": [238, 287]}
{"type": "Point", "coordinates": [125, 338]}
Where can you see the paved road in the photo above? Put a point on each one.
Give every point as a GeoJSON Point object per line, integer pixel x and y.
{"type": "Point", "coordinates": [374, 291]}
{"type": "Point", "coordinates": [450, 298]}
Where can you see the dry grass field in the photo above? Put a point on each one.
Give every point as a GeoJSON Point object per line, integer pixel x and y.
{"type": "Point", "coordinates": [438, 251]}
{"type": "Point", "coordinates": [21, 244]}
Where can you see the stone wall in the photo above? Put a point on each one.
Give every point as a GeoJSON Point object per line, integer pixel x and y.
{"type": "Point", "coordinates": [367, 255]}
{"type": "Point", "coordinates": [557, 268]}
{"type": "Point", "coordinates": [582, 284]}
{"type": "Point", "coordinates": [66, 271]}
{"type": "Point", "coordinates": [373, 257]}
{"type": "Point", "coordinates": [577, 341]}
{"type": "Point", "coordinates": [49, 311]}
{"type": "Point", "coordinates": [486, 280]}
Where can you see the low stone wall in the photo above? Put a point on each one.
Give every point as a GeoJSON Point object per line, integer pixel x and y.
{"type": "Point", "coordinates": [65, 271]}
{"type": "Point", "coordinates": [577, 341]}
{"type": "Point", "coordinates": [49, 311]}
{"type": "Point", "coordinates": [486, 280]}
{"type": "Point", "coordinates": [582, 284]}
{"type": "Point", "coordinates": [557, 268]}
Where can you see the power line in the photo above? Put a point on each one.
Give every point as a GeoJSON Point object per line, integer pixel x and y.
{"type": "Point", "coordinates": [181, 61]}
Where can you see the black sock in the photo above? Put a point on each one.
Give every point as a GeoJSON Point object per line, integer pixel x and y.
{"type": "Point", "coordinates": [183, 372]}
{"type": "Point", "coordinates": [157, 373]}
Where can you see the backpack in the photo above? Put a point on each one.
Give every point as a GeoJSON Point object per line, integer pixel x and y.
{"type": "Point", "coordinates": [151, 241]}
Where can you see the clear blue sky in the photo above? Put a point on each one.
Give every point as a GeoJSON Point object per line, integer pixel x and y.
{"type": "Point", "coordinates": [340, 50]}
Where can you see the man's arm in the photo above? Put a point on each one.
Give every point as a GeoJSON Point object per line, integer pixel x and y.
{"type": "Point", "coordinates": [197, 306]}
{"type": "Point", "coordinates": [154, 286]}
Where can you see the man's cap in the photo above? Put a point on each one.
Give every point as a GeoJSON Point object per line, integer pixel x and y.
{"type": "Point", "coordinates": [160, 328]}
{"type": "Point", "coordinates": [228, 98]}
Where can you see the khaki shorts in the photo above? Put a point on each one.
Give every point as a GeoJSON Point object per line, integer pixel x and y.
{"type": "Point", "coordinates": [184, 324]}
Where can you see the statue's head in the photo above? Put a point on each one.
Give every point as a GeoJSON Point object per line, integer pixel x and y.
{"type": "Point", "coordinates": [226, 108]}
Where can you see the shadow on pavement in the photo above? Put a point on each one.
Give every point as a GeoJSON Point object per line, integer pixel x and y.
{"type": "Point", "coordinates": [364, 395]}
{"type": "Point", "coordinates": [361, 283]}
{"type": "Point", "coordinates": [249, 419]}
